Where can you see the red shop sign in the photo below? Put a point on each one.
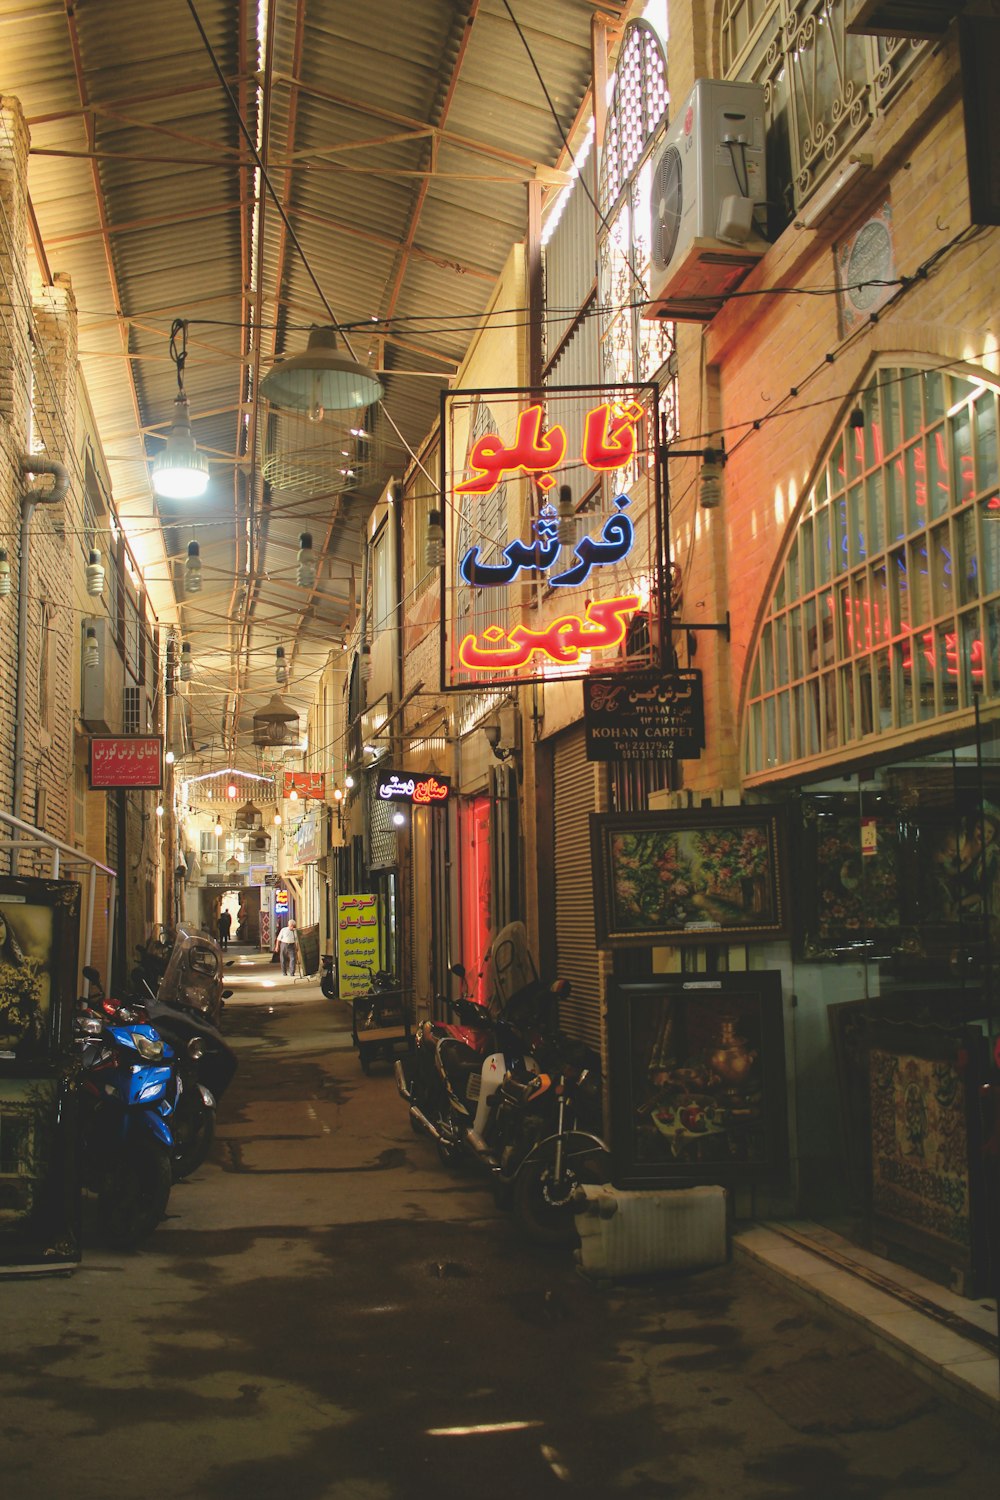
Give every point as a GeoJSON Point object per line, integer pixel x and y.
{"type": "Point", "coordinates": [126, 760]}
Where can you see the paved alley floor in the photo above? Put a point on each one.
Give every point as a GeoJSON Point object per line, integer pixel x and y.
{"type": "Point", "coordinates": [329, 1314]}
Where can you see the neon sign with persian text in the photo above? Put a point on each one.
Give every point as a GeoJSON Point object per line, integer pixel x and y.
{"type": "Point", "coordinates": [594, 442]}
{"type": "Point", "coordinates": [421, 790]}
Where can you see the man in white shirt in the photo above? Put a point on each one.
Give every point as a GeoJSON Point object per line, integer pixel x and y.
{"type": "Point", "coordinates": [287, 939]}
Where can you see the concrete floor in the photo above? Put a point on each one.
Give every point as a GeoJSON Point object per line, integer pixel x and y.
{"type": "Point", "coordinates": [328, 1314]}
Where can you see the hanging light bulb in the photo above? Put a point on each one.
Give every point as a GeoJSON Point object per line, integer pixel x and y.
{"type": "Point", "coordinates": [277, 820]}
{"type": "Point", "coordinates": [185, 667]}
{"type": "Point", "coordinates": [180, 472]}
{"type": "Point", "coordinates": [192, 569]}
{"type": "Point", "coordinates": [170, 757]}
{"type": "Point", "coordinates": [218, 828]}
{"type": "Point", "coordinates": [293, 795]}
{"type": "Point", "coordinates": [4, 573]}
{"type": "Point", "coordinates": [365, 657]}
{"type": "Point", "coordinates": [566, 533]}
{"type": "Point", "coordinates": [338, 795]}
{"type": "Point", "coordinates": [95, 574]}
{"type": "Point", "coordinates": [231, 791]}
{"type": "Point", "coordinates": [306, 562]}
{"type": "Point", "coordinates": [348, 781]}
{"type": "Point", "coordinates": [434, 549]}
{"type": "Point", "coordinates": [399, 818]}
{"type": "Point", "coordinates": [91, 652]}
{"type": "Point", "coordinates": [280, 669]}
{"type": "Point", "coordinates": [159, 809]}
{"type": "Point", "coordinates": [316, 413]}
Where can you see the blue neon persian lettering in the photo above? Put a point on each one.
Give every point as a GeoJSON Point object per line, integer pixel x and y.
{"type": "Point", "coordinates": [617, 537]}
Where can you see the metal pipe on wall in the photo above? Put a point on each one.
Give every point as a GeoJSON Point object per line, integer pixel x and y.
{"type": "Point", "coordinates": [29, 499]}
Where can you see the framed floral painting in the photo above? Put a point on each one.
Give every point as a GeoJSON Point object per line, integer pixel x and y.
{"type": "Point", "coordinates": [712, 875]}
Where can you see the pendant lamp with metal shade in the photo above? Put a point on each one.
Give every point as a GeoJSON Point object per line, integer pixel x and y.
{"type": "Point", "coordinates": [321, 378]}
{"type": "Point", "coordinates": [180, 472]}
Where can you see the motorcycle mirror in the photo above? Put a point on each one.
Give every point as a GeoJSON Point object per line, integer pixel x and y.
{"type": "Point", "coordinates": [91, 974]}
{"type": "Point", "coordinates": [458, 970]}
{"type": "Point", "coordinates": [226, 994]}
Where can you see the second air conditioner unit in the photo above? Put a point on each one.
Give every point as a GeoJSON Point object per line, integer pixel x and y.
{"type": "Point", "coordinates": [707, 198]}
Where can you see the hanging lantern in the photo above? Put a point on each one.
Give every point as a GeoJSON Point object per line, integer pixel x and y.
{"type": "Point", "coordinates": [248, 817]}
{"type": "Point", "coordinates": [275, 724]}
{"type": "Point", "coordinates": [232, 864]}
{"type": "Point", "coordinates": [260, 843]}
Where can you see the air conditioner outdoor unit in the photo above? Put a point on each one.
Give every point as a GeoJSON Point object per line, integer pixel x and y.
{"type": "Point", "coordinates": [708, 181]}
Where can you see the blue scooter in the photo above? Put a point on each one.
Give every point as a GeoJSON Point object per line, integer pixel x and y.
{"type": "Point", "coordinates": [127, 1084]}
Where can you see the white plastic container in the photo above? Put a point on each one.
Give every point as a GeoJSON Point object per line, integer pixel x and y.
{"type": "Point", "coordinates": [669, 1229]}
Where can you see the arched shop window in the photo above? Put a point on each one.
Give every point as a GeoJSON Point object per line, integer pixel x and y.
{"type": "Point", "coordinates": [886, 612]}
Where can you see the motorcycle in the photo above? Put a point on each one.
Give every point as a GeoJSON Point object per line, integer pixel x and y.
{"type": "Point", "coordinates": [127, 1086]}
{"type": "Point", "coordinates": [192, 976]}
{"type": "Point", "coordinates": [466, 1077]}
{"type": "Point", "coordinates": [542, 1151]}
{"type": "Point", "coordinates": [206, 1065]}
{"type": "Point", "coordinates": [417, 1080]}
{"type": "Point", "coordinates": [328, 979]}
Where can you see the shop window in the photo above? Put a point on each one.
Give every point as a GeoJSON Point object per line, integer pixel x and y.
{"type": "Point", "coordinates": [887, 605]}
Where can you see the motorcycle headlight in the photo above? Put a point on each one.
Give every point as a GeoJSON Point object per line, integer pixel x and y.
{"type": "Point", "coordinates": [148, 1050]}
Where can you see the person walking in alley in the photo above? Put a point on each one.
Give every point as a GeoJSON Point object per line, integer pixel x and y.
{"type": "Point", "coordinates": [287, 939]}
{"type": "Point", "coordinates": [225, 927]}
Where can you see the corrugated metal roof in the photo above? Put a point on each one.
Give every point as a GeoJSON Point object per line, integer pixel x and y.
{"type": "Point", "coordinates": [399, 140]}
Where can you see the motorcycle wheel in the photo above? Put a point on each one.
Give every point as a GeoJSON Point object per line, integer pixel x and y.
{"type": "Point", "coordinates": [133, 1197]}
{"type": "Point", "coordinates": [194, 1133]}
{"type": "Point", "coordinates": [544, 1213]}
{"type": "Point", "coordinates": [328, 985]}
{"type": "Point", "coordinates": [365, 1058]}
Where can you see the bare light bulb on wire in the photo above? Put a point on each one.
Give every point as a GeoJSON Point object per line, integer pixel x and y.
{"type": "Point", "coordinates": [95, 574]}
{"type": "Point", "coordinates": [434, 548]}
{"type": "Point", "coordinates": [305, 562]}
{"type": "Point", "coordinates": [185, 667]}
{"type": "Point", "coordinates": [192, 569]}
{"type": "Point", "coordinates": [280, 668]}
{"type": "Point", "coordinates": [316, 412]}
{"type": "Point", "coordinates": [91, 653]}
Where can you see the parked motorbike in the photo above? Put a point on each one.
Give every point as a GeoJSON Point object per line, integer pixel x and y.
{"type": "Point", "coordinates": [127, 1085]}
{"type": "Point", "coordinates": [417, 1079]}
{"type": "Point", "coordinates": [467, 1077]}
{"type": "Point", "coordinates": [541, 1152]}
{"type": "Point", "coordinates": [328, 979]}
{"type": "Point", "coordinates": [206, 1065]}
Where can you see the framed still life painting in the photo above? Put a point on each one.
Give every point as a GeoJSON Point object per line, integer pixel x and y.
{"type": "Point", "coordinates": [698, 1080]}
{"type": "Point", "coordinates": [712, 875]}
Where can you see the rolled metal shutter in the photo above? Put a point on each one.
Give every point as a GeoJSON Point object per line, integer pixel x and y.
{"type": "Point", "coordinates": [575, 798]}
